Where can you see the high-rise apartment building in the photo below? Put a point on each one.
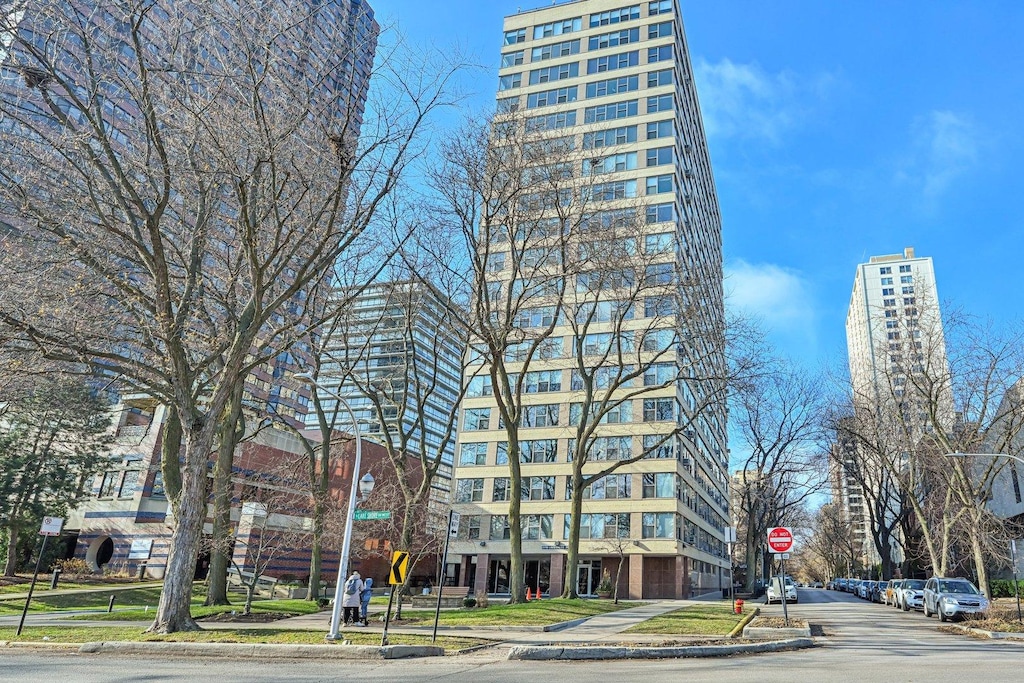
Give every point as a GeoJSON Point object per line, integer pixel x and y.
{"type": "Point", "coordinates": [397, 340]}
{"type": "Point", "coordinates": [894, 336]}
{"type": "Point", "coordinates": [614, 79]}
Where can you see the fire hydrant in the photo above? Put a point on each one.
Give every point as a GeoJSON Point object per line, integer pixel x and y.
{"type": "Point", "coordinates": [737, 607]}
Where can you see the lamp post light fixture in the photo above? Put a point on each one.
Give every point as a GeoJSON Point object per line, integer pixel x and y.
{"type": "Point", "coordinates": [360, 490]}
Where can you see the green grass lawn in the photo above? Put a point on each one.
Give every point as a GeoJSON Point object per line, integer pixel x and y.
{"type": "Point", "coordinates": [535, 613]}
{"type": "Point", "coordinates": [43, 586]}
{"type": "Point", "coordinates": [699, 620]}
{"type": "Point", "coordinates": [133, 597]}
{"type": "Point", "coordinates": [63, 634]}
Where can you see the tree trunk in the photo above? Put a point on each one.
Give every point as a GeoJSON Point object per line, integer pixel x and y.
{"type": "Point", "coordinates": [11, 564]}
{"type": "Point", "coordinates": [572, 556]}
{"type": "Point", "coordinates": [316, 558]}
{"type": "Point", "coordinates": [174, 609]}
{"type": "Point", "coordinates": [249, 591]}
{"type": "Point", "coordinates": [407, 533]}
{"type": "Point", "coordinates": [220, 548]}
{"type": "Point", "coordinates": [618, 572]}
{"type": "Point", "coordinates": [979, 563]}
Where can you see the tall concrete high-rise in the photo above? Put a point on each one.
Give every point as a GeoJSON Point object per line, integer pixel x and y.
{"type": "Point", "coordinates": [894, 338]}
{"type": "Point", "coordinates": [613, 79]}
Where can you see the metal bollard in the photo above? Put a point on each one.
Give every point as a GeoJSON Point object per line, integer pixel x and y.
{"type": "Point", "coordinates": [110, 605]}
{"type": "Point", "coordinates": [54, 579]}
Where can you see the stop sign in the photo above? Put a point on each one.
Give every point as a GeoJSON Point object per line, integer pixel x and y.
{"type": "Point", "coordinates": [780, 539]}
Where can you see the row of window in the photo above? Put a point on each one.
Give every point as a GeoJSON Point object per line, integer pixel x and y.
{"type": "Point", "coordinates": [575, 24]}
{"type": "Point", "coordinates": [904, 279]}
{"type": "Point", "coordinates": [592, 526]}
{"type": "Point", "coordinates": [887, 270]}
{"type": "Point", "coordinates": [549, 415]}
{"type": "Point", "coordinates": [611, 487]}
{"type": "Point", "coordinates": [545, 451]}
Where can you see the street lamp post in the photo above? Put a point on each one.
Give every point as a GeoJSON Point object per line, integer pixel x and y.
{"type": "Point", "coordinates": [1013, 543]}
{"type": "Point", "coordinates": [359, 486]}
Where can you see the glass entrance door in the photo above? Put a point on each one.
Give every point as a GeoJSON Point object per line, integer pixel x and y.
{"type": "Point", "coordinates": [588, 577]}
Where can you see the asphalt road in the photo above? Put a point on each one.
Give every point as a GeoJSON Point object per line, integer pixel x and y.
{"type": "Point", "coordinates": [863, 642]}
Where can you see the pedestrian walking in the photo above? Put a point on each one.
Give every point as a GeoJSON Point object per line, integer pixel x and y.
{"type": "Point", "coordinates": [364, 599]}
{"type": "Point", "coordinates": [353, 589]}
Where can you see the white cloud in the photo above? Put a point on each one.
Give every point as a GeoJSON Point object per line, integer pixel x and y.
{"type": "Point", "coordinates": [779, 297]}
{"type": "Point", "coordinates": [945, 146]}
{"type": "Point", "coordinates": [744, 101]}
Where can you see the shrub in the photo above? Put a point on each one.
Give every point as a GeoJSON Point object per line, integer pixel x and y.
{"type": "Point", "coordinates": [481, 599]}
{"type": "Point", "coordinates": [469, 601]}
{"type": "Point", "coordinates": [73, 568]}
{"type": "Point", "coordinates": [1003, 588]}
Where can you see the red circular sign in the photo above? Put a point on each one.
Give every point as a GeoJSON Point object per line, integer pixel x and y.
{"type": "Point", "coordinates": [780, 539]}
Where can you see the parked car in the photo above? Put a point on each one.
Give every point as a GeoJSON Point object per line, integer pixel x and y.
{"type": "Point", "coordinates": [817, 584]}
{"type": "Point", "coordinates": [779, 590]}
{"type": "Point", "coordinates": [878, 591]}
{"type": "Point", "coordinates": [889, 598]}
{"type": "Point", "coordinates": [864, 589]}
{"type": "Point", "coordinates": [951, 598]}
{"type": "Point", "coordinates": [911, 595]}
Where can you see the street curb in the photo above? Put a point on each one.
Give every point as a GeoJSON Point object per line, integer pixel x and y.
{"type": "Point", "coordinates": [534, 653]}
{"type": "Point", "coordinates": [37, 645]}
{"type": "Point", "coordinates": [738, 628]}
{"type": "Point", "coordinates": [263, 650]}
{"type": "Point", "coordinates": [547, 628]}
{"type": "Point", "coordinates": [994, 635]}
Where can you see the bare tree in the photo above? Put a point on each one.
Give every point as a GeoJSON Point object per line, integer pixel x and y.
{"type": "Point", "coordinates": [779, 416]}
{"type": "Point", "coordinates": [177, 184]}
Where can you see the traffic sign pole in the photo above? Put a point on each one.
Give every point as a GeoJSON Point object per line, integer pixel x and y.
{"type": "Point", "coordinates": [453, 529]}
{"type": "Point", "coordinates": [32, 586]}
{"type": "Point", "coordinates": [785, 603]}
{"type": "Point", "coordinates": [396, 577]}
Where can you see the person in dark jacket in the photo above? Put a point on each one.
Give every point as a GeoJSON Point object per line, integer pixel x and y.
{"type": "Point", "coordinates": [364, 600]}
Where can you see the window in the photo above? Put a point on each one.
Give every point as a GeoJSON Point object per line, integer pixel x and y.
{"type": "Point", "coordinates": [507, 105]}
{"type": "Point", "coordinates": [548, 98]}
{"type": "Point", "coordinates": [469, 527]}
{"type": "Point", "coordinates": [540, 416]}
{"type": "Point", "coordinates": [607, 138]}
{"type": "Point", "coordinates": [888, 292]}
{"type": "Point", "coordinates": [623, 60]}
{"type": "Point", "coordinates": [603, 377]}
{"type": "Point", "coordinates": [659, 525]}
{"type": "Point", "coordinates": [659, 156]}
{"type": "Point", "coordinates": [562, 119]}
{"type": "Point", "coordinates": [477, 419]}
{"type": "Point", "coordinates": [906, 279]}
{"type": "Point", "coordinates": [541, 381]}
{"type": "Point", "coordinates": [659, 409]}
{"type": "Point", "coordinates": [499, 527]}
{"type": "Point", "coordinates": [613, 86]}
{"type": "Point", "coordinates": [611, 487]}
{"type": "Point", "coordinates": [606, 448]}
{"type": "Point", "coordinates": [659, 274]}
{"type": "Point", "coordinates": [554, 73]}
{"type": "Point", "coordinates": [469, 490]}
{"type": "Point", "coordinates": [659, 447]}
{"type": "Point", "coordinates": [659, 374]}
{"type": "Point", "coordinates": [659, 306]}
{"type": "Point", "coordinates": [662, 30]}
{"type": "Point", "coordinates": [888, 302]}
{"type": "Point", "coordinates": [659, 78]}
{"type": "Point", "coordinates": [615, 16]}
{"type": "Point", "coordinates": [886, 281]}
{"type": "Point", "coordinates": [604, 312]}
{"type": "Point", "coordinates": [659, 485]}
{"type": "Point", "coordinates": [512, 58]}
{"type": "Point", "coordinates": [610, 164]}
{"type": "Point", "coordinates": [479, 386]}
{"type": "Point", "coordinates": [542, 316]}
{"type": "Point", "coordinates": [659, 7]}
{"type": "Point", "coordinates": [496, 262]}
{"type": "Point", "coordinates": [620, 414]}
{"type": "Point", "coordinates": [109, 484]}
{"type": "Point", "coordinates": [660, 184]}
{"type": "Point", "coordinates": [538, 451]}
{"type": "Point", "coordinates": [127, 490]}
{"type": "Point", "coordinates": [610, 112]}
{"type": "Point", "coordinates": [619, 189]}
{"type": "Point", "coordinates": [513, 37]}
{"type": "Point", "coordinates": [555, 50]}
{"type": "Point", "coordinates": [614, 39]}
{"type": "Point", "coordinates": [885, 271]}
{"type": "Point", "coordinates": [537, 527]}
{"type": "Point", "coordinates": [658, 340]}
{"type": "Point", "coordinates": [660, 129]}
{"type": "Point", "coordinates": [661, 243]}
{"type": "Point", "coordinates": [905, 269]}
{"type": "Point", "coordinates": [537, 488]}
{"type": "Point", "coordinates": [908, 301]}
{"type": "Point", "coordinates": [557, 28]}
{"type": "Point", "coordinates": [473, 454]}
{"type": "Point", "coordinates": [660, 213]}
{"type": "Point", "coordinates": [501, 489]}
{"type": "Point", "coordinates": [1016, 482]}
{"type": "Point", "coordinates": [908, 290]}
{"type": "Point", "coordinates": [660, 103]}
{"type": "Point", "coordinates": [601, 525]}
{"type": "Point", "coordinates": [659, 54]}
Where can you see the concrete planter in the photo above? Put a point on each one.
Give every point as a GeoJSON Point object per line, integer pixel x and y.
{"type": "Point", "coordinates": [296, 592]}
{"type": "Point", "coordinates": [755, 632]}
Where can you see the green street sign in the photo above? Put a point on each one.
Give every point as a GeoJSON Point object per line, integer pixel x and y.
{"type": "Point", "coordinates": [363, 515]}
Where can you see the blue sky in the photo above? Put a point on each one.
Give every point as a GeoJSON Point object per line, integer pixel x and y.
{"type": "Point", "coordinates": [838, 131]}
